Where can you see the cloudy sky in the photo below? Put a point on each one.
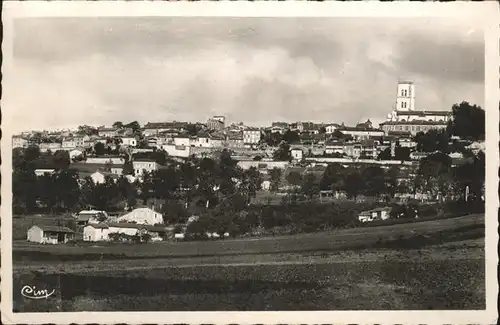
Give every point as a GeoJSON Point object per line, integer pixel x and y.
{"type": "Point", "coordinates": [73, 71]}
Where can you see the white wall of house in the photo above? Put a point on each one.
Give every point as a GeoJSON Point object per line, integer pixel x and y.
{"type": "Point", "coordinates": [144, 216]}
{"type": "Point", "coordinates": [251, 136]}
{"type": "Point", "coordinates": [43, 171]}
{"type": "Point", "coordinates": [180, 141]}
{"type": "Point", "coordinates": [129, 141]}
{"type": "Point", "coordinates": [330, 129]}
{"type": "Point", "coordinates": [44, 147]}
{"type": "Point", "coordinates": [141, 166]}
{"type": "Point", "coordinates": [105, 160]}
{"type": "Point", "coordinates": [35, 234]}
{"type": "Point", "coordinates": [98, 178]}
{"type": "Point", "coordinates": [297, 154]}
{"type": "Point", "coordinates": [246, 164]}
{"type": "Point", "coordinates": [75, 153]}
{"type": "Point", "coordinates": [95, 234]}
{"type": "Point", "coordinates": [176, 151]}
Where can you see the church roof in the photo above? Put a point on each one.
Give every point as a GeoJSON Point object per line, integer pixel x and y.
{"type": "Point", "coordinates": [416, 122]}
{"type": "Point", "coordinates": [424, 113]}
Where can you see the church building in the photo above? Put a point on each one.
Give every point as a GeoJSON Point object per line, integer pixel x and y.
{"type": "Point", "coordinates": [404, 118]}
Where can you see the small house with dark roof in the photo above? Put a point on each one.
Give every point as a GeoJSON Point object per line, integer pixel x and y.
{"type": "Point", "coordinates": [375, 214]}
{"type": "Point", "coordinates": [102, 231]}
{"type": "Point", "coordinates": [50, 234]}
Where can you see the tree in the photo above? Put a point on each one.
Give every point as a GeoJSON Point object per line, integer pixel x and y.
{"type": "Point", "coordinates": [31, 153]}
{"type": "Point", "coordinates": [251, 182]}
{"type": "Point", "coordinates": [99, 149]}
{"type": "Point", "coordinates": [309, 185]}
{"type": "Point", "coordinates": [322, 130]}
{"type": "Point", "coordinates": [434, 175]}
{"type": "Point", "coordinates": [333, 178]}
{"type": "Point", "coordinates": [135, 126]}
{"type": "Point", "coordinates": [283, 152]}
{"type": "Point", "coordinates": [118, 125]}
{"type": "Point", "coordinates": [468, 121]}
{"type": "Point", "coordinates": [385, 154]}
{"type": "Point", "coordinates": [192, 129]}
{"type": "Point", "coordinates": [67, 189]}
{"type": "Point", "coordinates": [24, 194]}
{"type": "Point", "coordinates": [61, 159]}
{"type": "Point", "coordinates": [291, 137]}
{"type": "Point", "coordinates": [272, 139]}
{"type": "Point", "coordinates": [257, 158]}
{"type": "Point", "coordinates": [472, 175]}
{"type": "Point", "coordinates": [354, 184]}
{"type": "Point", "coordinates": [174, 212]}
{"type": "Point", "coordinates": [275, 174]}
{"type": "Point", "coordinates": [432, 141]}
{"type": "Point", "coordinates": [402, 153]}
{"type": "Point", "coordinates": [294, 178]}
{"type": "Point", "coordinates": [374, 177]}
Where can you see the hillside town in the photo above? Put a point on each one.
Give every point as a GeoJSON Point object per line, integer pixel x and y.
{"type": "Point", "coordinates": [177, 179]}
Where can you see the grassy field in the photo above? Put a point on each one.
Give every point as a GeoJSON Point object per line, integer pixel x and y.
{"type": "Point", "coordinates": [472, 226]}
{"type": "Point", "coordinates": [432, 278]}
{"type": "Point", "coordinates": [427, 265]}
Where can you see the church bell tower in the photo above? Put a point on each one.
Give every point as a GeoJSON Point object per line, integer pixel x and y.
{"type": "Point", "coordinates": [405, 98]}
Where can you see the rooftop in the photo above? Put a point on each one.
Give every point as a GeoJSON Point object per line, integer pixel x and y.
{"type": "Point", "coordinates": [55, 229]}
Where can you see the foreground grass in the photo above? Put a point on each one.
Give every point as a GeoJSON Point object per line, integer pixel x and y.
{"type": "Point", "coordinates": [390, 280]}
{"type": "Point", "coordinates": [466, 227]}
{"type": "Point", "coordinates": [429, 265]}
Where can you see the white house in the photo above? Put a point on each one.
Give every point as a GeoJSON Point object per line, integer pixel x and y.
{"type": "Point", "coordinates": [49, 234]}
{"type": "Point", "coordinates": [105, 160]}
{"type": "Point", "coordinates": [19, 142]}
{"type": "Point", "coordinates": [90, 216]}
{"type": "Point", "coordinates": [144, 216]}
{"type": "Point", "coordinates": [107, 132]}
{"type": "Point", "coordinates": [129, 141]}
{"type": "Point", "coordinates": [54, 146]}
{"type": "Point", "coordinates": [375, 214]}
{"type": "Point", "coordinates": [75, 153]}
{"type": "Point", "coordinates": [177, 151]}
{"type": "Point", "coordinates": [203, 140]}
{"type": "Point", "coordinates": [359, 133]}
{"type": "Point", "coordinates": [182, 141]}
{"type": "Point", "coordinates": [251, 136]}
{"type": "Point", "coordinates": [99, 177]}
{"type": "Point", "coordinates": [297, 153]}
{"type": "Point", "coordinates": [101, 232]}
{"type": "Point", "coordinates": [43, 171]}
{"type": "Point", "coordinates": [331, 128]}
{"type": "Point", "coordinates": [266, 185]}
{"type": "Point", "coordinates": [142, 165]}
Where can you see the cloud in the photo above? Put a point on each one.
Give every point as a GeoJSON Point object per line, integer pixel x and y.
{"type": "Point", "coordinates": [97, 71]}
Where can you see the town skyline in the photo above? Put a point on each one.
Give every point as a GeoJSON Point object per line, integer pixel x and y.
{"type": "Point", "coordinates": [248, 70]}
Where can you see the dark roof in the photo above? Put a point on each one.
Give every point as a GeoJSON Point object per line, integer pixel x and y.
{"type": "Point", "coordinates": [128, 225]}
{"type": "Point", "coordinates": [423, 113]}
{"type": "Point", "coordinates": [400, 133]}
{"type": "Point", "coordinates": [415, 122]}
{"type": "Point", "coordinates": [54, 228]}
{"type": "Point", "coordinates": [92, 168]}
{"type": "Point", "coordinates": [165, 125]}
{"type": "Point", "coordinates": [350, 128]}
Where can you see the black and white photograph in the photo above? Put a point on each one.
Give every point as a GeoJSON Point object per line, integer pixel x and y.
{"type": "Point", "coordinates": [248, 163]}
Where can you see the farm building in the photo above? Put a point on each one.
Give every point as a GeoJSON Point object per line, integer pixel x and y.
{"type": "Point", "coordinates": [90, 216]}
{"type": "Point", "coordinates": [144, 216]}
{"type": "Point", "coordinates": [102, 231]}
{"type": "Point", "coordinates": [375, 214]}
{"type": "Point", "coordinates": [50, 234]}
